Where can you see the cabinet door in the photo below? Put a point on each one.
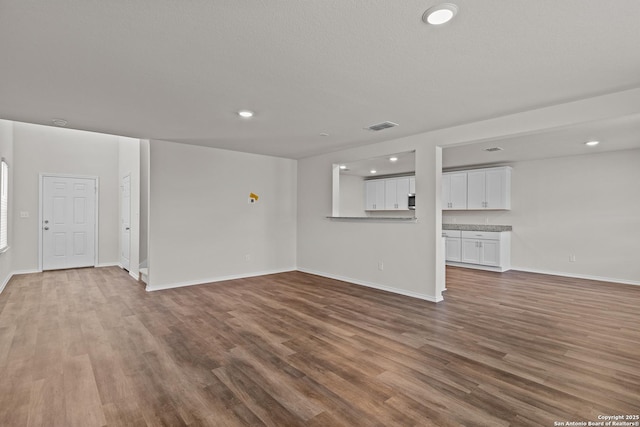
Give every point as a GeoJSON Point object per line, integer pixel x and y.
{"type": "Point", "coordinates": [458, 194]}
{"type": "Point", "coordinates": [369, 195]}
{"type": "Point", "coordinates": [490, 252]}
{"type": "Point", "coordinates": [446, 192]}
{"type": "Point", "coordinates": [402, 194]}
{"type": "Point", "coordinates": [412, 185]}
{"type": "Point", "coordinates": [471, 251]}
{"type": "Point", "coordinates": [390, 195]}
{"type": "Point", "coordinates": [495, 189]}
{"type": "Point", "coordinates": [476, 190]}
{"type": "Point", "coordinates": [453, 249]}
{"type": "Point", "coordinates": [374, 195]}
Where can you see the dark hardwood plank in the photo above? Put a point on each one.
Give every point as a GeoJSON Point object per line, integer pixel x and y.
{"type": "Point", "coordinates": [90, 347]}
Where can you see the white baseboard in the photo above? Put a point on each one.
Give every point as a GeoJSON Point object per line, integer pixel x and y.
{"type": "Point", "coordinates": [136, 277]}
{"type": "Point", "coordinates": [412, 294]}
{"type": "Point", "coordinates": [108, 264]}
{"type": "Point", "coordinates": [15, 273]}
{"type": "Point", "coordinates": [478, 266]}
{"type": "Point", "coordinates": [4, 283]}
{"type": "Point", "coordinates": [216, 279]}
{"type": "Point", "coordinates": [577, 276]}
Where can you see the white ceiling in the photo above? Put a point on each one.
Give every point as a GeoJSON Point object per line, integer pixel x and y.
{"type": "Point", "coordinates": [621, 133]}
{"type": "Point", "coordinates": [405, 164]}
{"type": "Point", "coordinates": [179, 70]}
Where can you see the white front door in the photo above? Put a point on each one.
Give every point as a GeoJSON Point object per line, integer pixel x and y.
{"type": "Point", "coordinates": [68, 222]}
{"type": "Point", "coordinates": [125, 223]}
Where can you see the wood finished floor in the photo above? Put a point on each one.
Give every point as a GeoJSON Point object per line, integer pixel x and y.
{"type": "Point", "coordinates": [90, 347]}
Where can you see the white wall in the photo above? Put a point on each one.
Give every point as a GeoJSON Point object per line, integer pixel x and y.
{"type": "Point", "coordinates": [144, 200]}
{"type": "Point", "coordinates": [583, 205]}
{"type": "Point", "coordinates": [201, 225]}
{"type": "Point", "coordinates": [6, 151]}
{"type": "Point", "coordinates": [351, 250]}
{"type": "Point", "coordinates": [352, 200]}
{"type": "Point", "coordinates": [129, 164]}
{"type": "Point", "coordinates": [44, 149]}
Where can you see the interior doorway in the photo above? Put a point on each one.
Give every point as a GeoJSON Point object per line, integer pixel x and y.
{"type": "Point", "coordinates": [125, 223]}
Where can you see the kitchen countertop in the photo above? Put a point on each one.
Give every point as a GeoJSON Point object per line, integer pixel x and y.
{"type": "Point", "coordinates": [476, 227]}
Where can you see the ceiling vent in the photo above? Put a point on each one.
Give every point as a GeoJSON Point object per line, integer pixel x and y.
{"type": "Point", "coordinates": [381, 126]}
{"type": "Point", "coordinates": [492, 149]}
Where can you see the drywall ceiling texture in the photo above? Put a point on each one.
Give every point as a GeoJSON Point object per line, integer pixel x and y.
{"type": "Point", "coordinates": [202, 227]}
{"type": "Point", "coordinates": [44, 149]}
{"type": "Point", "coordinates": [580, 205]}
{"type": "Point", "coordinates": [305, 68]}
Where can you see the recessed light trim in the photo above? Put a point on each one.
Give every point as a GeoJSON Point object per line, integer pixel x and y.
{"type": "Point", "coordinates": [393, 159]}
{"type": "Point", "coordinates": [246, 114]}
{"type": "Point", "coordinates": [373, 171]}
{"type": "Point", "coordinates": [343, 167]}
{"type": "Point", "coordinates": [492, 149]}
{"type": "Point", "coordinates": [440, 14]}
{"type": "Point", "coordinates": [324, 134]}
{"type": "Point", "coordinates": [592, 143]}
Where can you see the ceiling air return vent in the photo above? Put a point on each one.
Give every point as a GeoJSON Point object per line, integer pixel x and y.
{"type": "Point", "coordinates": [381, 126]}
{"type": "Point", "coordinates": [492, 149]}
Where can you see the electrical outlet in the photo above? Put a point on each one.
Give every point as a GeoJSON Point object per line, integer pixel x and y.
{"type": "Point", "coordinates": [24, 214]}
{"type": "Point", "coordinates": [247, 257]}
{"type": "Point", "coordinates": [380, 265]}
{"type": "Point", "coordinates": [572, 258]}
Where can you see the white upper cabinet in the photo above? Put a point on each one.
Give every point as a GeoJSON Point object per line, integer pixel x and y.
{"type": "Point", "coordinates": [489, 188]}
{"type": "Point", "coordinates": [454, 190]}
{"type": "Point", "coordinates": [389, 194]}
{"type": "Point", "coordinates": [397, 194]}
{"type": "Point", "coordinates": [374, 195]}
{"type": "Point", "coordinates": [412, 185]}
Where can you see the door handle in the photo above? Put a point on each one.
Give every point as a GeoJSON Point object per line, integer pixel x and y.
{"type": "Point", "coordinates": [46, 228]}
{"type": "Point", "coordinates": [127, 228]}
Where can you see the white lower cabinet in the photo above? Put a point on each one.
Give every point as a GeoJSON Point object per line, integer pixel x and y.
{"type": "Point", "coordinates": [479, 249]}
{"type": "Point", "coordinates": [453, 247]}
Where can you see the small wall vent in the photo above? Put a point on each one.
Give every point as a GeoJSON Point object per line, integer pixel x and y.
{"type": "Point", "coordinates": [494, 149]}
{"type": "Point", "coordinates": [381, 126]}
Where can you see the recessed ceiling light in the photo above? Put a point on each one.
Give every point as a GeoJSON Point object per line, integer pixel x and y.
{"type": "Point", "coordinates": [324, 134]}
{"type": "Point", "coordinates": [59, 122]}
{"type": "Point", "coordinates": [440, 14]}
{"type": "Point", "coordinates": [592, 143]}
{"type": "Point", "coordinates": [492, 149]}
{"type": "Point", "coordinates": [393, 159]}
{"type": "Point", "coordinates": [343, 167]}
{"type": "Point", "coordinates": [373, 171]}
{"type": "Point", "coordinates": [245, 114]}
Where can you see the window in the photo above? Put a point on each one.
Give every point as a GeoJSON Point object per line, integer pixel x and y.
{"type": "Point", "coordinates": [4, 206]}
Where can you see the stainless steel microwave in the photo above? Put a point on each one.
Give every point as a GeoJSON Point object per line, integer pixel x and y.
{"type": "Point", "coordinates": [412, 201]}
